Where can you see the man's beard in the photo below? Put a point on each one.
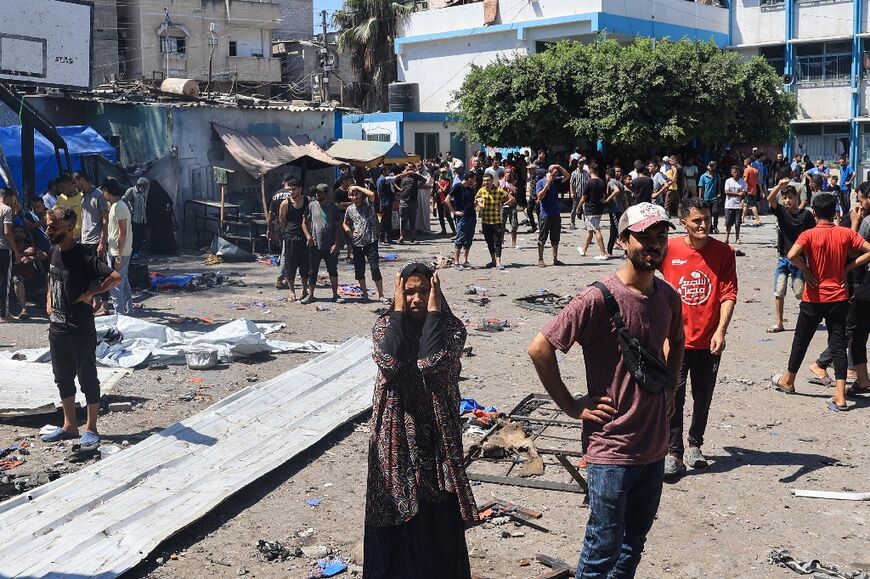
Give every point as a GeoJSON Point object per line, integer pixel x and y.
{"type": "Point", "coordinates": [57, 239]}
{"type": "Point", "coordinates": [640, 263]}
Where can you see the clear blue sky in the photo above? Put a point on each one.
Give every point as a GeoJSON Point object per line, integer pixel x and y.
{"type": "Point", "coordinates": [330, 6]}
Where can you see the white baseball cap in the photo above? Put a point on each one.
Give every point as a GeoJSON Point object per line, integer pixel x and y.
{"type": "Point", "coordinates": [665, 159]}
{"type": "Point", "coordinates": [642, 216]}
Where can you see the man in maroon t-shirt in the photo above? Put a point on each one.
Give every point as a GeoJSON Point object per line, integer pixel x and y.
{"type": "Point", "coordinates": [625, 427]}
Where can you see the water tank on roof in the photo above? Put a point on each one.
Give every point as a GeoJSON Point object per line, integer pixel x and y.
{"type": "Point", "coordinates": [404, 97]}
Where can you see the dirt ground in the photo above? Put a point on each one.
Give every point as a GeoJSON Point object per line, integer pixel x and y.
{"type": "Point", "coordinates": [721, 521]}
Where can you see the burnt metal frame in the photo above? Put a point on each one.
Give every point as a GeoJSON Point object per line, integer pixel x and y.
{"type": "Point", "coordinates": [520, 414]}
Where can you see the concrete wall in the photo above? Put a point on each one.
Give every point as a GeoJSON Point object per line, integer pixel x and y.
{"type": "Point", "coordinates": [297, 20]}
{"type": "Point", "coordinates": [105, 41]}
{"type": "Point", "coordinates": [824, 102]}
{"type": "Point", "coordinates": [413, 127]}
{"type": "Point", "coordinates": [248, 23]}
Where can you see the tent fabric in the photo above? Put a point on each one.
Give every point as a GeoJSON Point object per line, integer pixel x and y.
{"type": "Point", "coordinates": [260, 155]}
{"type": "Point", "coordinates": [369, 153]}
{"type": "Point", "coordinates": [81, 140]}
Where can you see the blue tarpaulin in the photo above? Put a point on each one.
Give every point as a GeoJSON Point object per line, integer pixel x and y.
{"type": "Point", "coordinates": [80, 139]}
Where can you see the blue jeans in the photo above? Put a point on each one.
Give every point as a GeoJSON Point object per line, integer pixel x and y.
{"type": "Point", "coordinates": [786, 270]}
{"type": "Point", "coordinates": [122, 294]}
{"type": "Point", "coordinates": [623, 501]}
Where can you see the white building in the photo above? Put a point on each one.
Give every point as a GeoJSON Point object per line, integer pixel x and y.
{"type": "Point", "coordinates": [818, 43]}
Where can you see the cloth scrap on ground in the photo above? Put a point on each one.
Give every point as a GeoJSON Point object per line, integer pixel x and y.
{"type": "Point", "coordinates": [547, 302]}
{"type": "Point", "coordinates": [192, 281]}
{"type": "Point", "coordinates": [467, 405]}
{"type": "Point", "coordinates": [354, 291]}
{"type": "Point", "coordinates": [125, 342]}
{"type": "Point", "coordinates": [388, 257]}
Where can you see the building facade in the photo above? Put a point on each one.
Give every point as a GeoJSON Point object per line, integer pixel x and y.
{"type": "Point", "coordinates": [105, 60]}
{"type": "Point", "coordinates": [820, 46]}
{"type": "Point", "coordinates": [175, 38]}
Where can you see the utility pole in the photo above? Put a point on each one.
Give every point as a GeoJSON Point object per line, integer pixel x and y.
{"type": "Point", "coordinates": [324, 75]}
{"type": "Point", "coordinates": [212, 44]}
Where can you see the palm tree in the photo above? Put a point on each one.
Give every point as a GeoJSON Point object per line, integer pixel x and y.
{"type": "Point", "coordinates": [368, 28]}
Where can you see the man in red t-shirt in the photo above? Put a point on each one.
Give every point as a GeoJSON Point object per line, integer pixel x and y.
{"type": "Point", "coordinates": [750, 201]}
{"type": "Point", "coordinates": [625, 426]}
{"type": "Point", "coordinates": [821, 254]}
{"type": "Point", "coordinates": [704, 272]}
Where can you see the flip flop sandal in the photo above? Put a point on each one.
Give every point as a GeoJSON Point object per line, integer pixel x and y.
{"type": "Point", "coordinates": [836, 407]}
{"type": "Point", "coordinates": [775, 329]}
{"type": "Point", "coordinates": [774, 383]}
{"type": "Point", "coordinates": [89, 439]}
{"type": "Point", "coordinates": [57, 435]}
{"type": "Point", "coordinates": [826, 381]}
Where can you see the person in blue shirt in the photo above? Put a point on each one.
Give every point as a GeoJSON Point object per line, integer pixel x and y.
{"type": "Point", "coordinates": [384, 188]}
{"type": "Point", "coordinates": [460, 202]}
{"type": "Point", "coordinates": [708, 188]}
{"type": "Point", "coordinates": [847, 178]}
{"type": "Point", "coordinates": [761, 167]}
{"type": "Point", "coordinates": [820, 169]}
{"type": "Point", "coordinates": [550, 222]}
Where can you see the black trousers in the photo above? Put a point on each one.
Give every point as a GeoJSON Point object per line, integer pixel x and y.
{"type": "Point", "coordinates": [809, 318]}
{"type": "Point", "coordinates": [386, 228]}
{"type": "Point", "coordinates": [826, 358]}
{"type": "Point", "coordinates": [714, 212]}
{"type": "Point", "coordinates": [444, 214]}
{"type": "Point", "coordinates": [73, 354]}
{"type": "Point", "coordinates": [530, 212]}
{"type": "Point", "coordinates": [361, 255]}
{"type": "Point", "coordinates": [493, 233]}
{"type": "Point", "coordinates": [315, 256]}
{"type": "Point", "coordinates": [296, 257]}
{"type": "Point", "coordinates": [140, 237]}
{"type": "Point", "coordinates": [702, 367]}
{"type": "Point", "coordinates": [5, 280]}
{"type": "Point", "coordinates": [613, 234]}
{"type": "Point", "coordinates": [860, 333]}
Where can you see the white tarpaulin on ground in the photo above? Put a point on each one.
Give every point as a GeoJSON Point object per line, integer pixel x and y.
{"type": "Point", "coordinates": [103, 519]}
{"type": "Point", "coordinates": [129, 342]}
{"type": "Point", "coordinates": [28, 388]}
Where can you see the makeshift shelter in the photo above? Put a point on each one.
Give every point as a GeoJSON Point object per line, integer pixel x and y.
{"type": "Point", "coordinates": [260, 155]}
{"type": "Point", "coordinates": [370, 153]}
{"type": "Point", "coordinates": [81, 140]}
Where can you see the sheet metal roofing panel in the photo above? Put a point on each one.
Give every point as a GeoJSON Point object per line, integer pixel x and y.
{"type": "Point", "coordinates": [104, 519]}
{"type": "Point", "coordinates": [28, 388]}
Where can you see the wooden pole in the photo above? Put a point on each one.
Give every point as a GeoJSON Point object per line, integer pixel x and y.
{"type": "Point", "coordinates": [263, 195]}
{"type": "Point", "coordinates": [223, 201]}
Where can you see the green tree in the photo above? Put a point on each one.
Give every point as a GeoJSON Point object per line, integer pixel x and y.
{"type": "Point", "coordinates": [367, 30]}
{"type": "Point", "coordinates": [636, 96]}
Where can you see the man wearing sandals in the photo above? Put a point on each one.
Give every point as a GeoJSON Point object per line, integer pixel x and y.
{"type": "Point", "coordinates": [74, 278]}
{"type": "Point", "coordinates": [791, 221]}
{"type": "Point", "coordinates": [704, 272]}
{"type": "Point", "coordinates": [821, 254]}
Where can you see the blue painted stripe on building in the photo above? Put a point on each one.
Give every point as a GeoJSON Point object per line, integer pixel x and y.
{"type": "Point", "coordinates": [397, 118]}
{"type": "Point", "coordinates": [600, 21]}
{"type": "Point", "coordinates": [658, 29]}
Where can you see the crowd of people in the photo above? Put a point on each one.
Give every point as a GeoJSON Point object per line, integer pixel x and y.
{"type": "Point", "coordinates": [669, 308]}
{"type": "Point", "coordinates": [650, 332]}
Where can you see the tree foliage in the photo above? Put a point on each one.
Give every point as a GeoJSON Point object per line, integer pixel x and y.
{"type": "Point", "coordinates": [636, 96]}
{"type": "Point", "coordinates": [367, 30]}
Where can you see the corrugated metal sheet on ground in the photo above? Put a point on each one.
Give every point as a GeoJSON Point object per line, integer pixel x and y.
{"type": "Point", "coordinates": [28, 388]}
{"type": "Point", "coordinates": [104, 519]}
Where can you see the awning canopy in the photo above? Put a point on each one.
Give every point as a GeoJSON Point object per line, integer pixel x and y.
{"type": "Point", "coordinates": [370, 153]}
{"type": "Point", "coordinates": [259, 155]}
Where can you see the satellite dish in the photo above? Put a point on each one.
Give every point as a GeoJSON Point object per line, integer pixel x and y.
{"type": "Point", "coordinates": [787, 79]}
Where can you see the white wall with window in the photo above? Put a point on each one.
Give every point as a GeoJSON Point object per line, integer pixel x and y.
{"type": "Point", "coordinates": [821, 141]}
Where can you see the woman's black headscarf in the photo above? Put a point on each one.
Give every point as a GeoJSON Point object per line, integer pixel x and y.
{"type": "Point", "coordinates": [417, 268]}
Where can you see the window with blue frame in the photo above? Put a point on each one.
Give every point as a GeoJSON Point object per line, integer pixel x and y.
{"type": "Point", "coordinates": [824, 62]}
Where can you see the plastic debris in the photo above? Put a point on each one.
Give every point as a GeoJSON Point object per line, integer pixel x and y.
{"type": "Point", "coordinates": [388, 257]}
{"type": "Point", "coordinates": [784, 558]}
{"type": "Point", "coordinates": [273, 550]}
{"type": "Point", "coordinates": [467, 405]}
{"type": "Point", "coordinates": [329, 568]}
{"type": "Point", "coordinates": [312, 502]}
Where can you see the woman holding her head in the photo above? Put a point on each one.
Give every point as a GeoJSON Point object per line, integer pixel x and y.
{"type": "Point", "coordinates": [418, 498]}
